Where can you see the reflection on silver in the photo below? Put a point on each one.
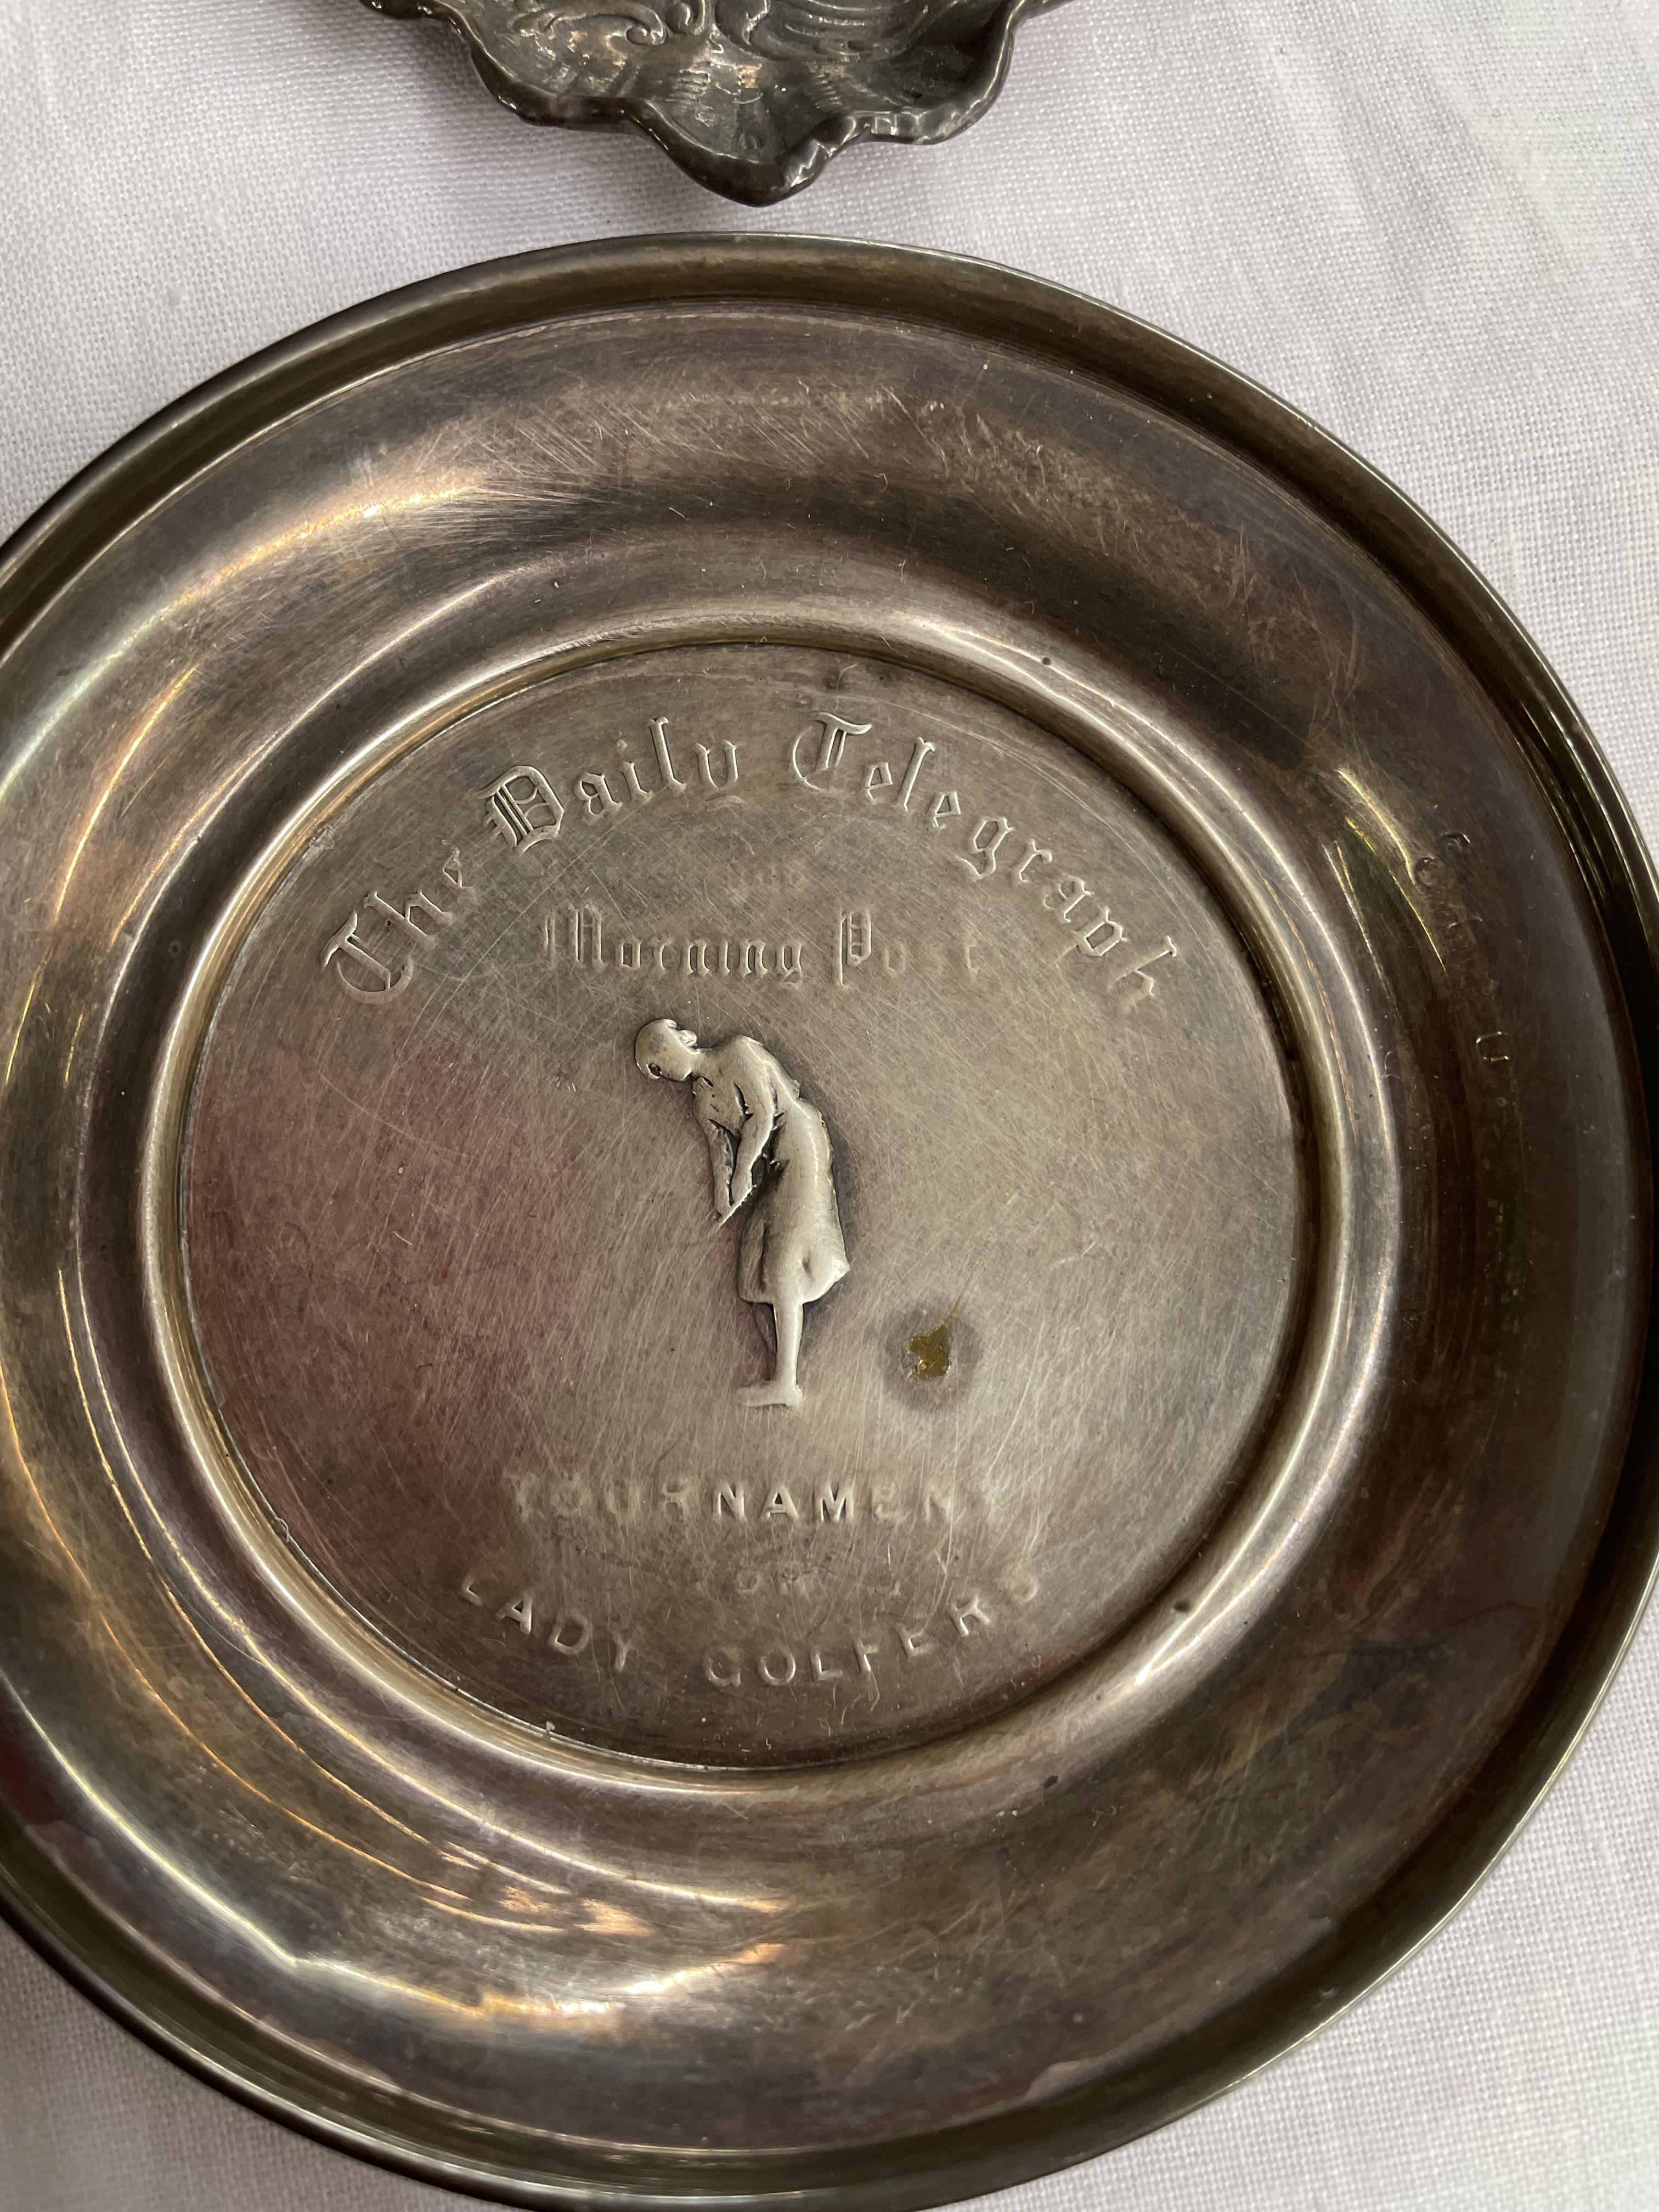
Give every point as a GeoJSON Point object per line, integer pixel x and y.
{"type": "Point", "coordinates": [749, 1108]}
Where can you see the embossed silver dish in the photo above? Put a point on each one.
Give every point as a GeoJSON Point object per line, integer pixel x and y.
{"type": "Point", "coordinates": [825, 1189]}
{"type": "Point", "coordinates": [751, 97]}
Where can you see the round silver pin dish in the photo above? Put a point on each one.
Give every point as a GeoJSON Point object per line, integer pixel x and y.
{"type": "Point", "coordinates": [825, 1235]}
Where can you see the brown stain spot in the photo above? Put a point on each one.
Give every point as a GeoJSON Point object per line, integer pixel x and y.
{"type": "Point", "coordinates": [927, 1357]}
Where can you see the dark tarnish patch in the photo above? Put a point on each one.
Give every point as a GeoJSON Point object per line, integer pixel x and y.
{"type": "Point", "coordinates": [927, 1357]}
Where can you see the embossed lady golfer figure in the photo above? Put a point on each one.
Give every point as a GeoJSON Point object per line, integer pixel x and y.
{"type": "Point", "coordinates": [767, 1147]}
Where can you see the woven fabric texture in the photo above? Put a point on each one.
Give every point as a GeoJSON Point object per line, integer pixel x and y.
{"type": "Point", "coordinates": [1434, 229]}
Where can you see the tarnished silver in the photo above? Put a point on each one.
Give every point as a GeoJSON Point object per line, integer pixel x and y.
{"type": "Point", "coordinates": [824, 1227]}
{"type": "Point", "coordinates": [751, 97]}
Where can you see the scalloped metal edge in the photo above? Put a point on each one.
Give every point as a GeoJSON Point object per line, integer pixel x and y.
{"type": "Point", "coordinates": [737, 137]}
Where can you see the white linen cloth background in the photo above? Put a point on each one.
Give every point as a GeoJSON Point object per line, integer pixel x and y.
{"type": "Point", "coordinates": [1432, 226]}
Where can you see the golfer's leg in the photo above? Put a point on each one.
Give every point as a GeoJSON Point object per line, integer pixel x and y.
{"type": "Point", "coordinates": [782, 1389]}
{"type": "Point", "coordinates": [786, 1319]}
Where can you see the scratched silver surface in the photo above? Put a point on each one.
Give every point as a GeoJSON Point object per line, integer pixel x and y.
{"type": "Point", "coordinates": [446, 1184]}
{"type": "Point", "coordinates": [1147, 986]}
